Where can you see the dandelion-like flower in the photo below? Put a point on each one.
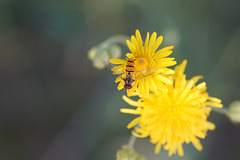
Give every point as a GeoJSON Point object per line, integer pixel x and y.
{"type": "Point", "coordinates": [150, 66]}
{"type": "Point", "coordinates": [174, 117]}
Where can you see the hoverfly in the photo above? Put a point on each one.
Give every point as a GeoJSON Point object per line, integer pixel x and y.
{"type": "Point", "coordinates": [129, 76]}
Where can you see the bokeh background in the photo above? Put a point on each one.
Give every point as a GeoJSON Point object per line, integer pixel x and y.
{"type": "Point", "coordinates": [54, 105]}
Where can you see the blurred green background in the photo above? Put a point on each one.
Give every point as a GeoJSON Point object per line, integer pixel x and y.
{"type": "Point", "coordinates": [54, 105]}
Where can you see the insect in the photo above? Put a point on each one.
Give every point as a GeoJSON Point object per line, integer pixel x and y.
{"type": "Point", "coordinates": [129, 76]}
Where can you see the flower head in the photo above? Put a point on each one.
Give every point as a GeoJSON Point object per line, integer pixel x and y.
{"type": "Point", "coordinates": [234, 112]}
{"type": "Point", "coordinates": [174, 117]}
{"type": "Point", "coordinates": [150, 65]}
{"type": "Point", "coordinates": [127, 153]}
{"type": "Point", "coordinates": [99, 54]}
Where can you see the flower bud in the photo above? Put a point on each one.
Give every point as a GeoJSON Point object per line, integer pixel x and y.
{"type": "Point", "coordinates": [101, 53]}
{"type": "Point", "coordinates": [127, 153]}
{"type": "Point", "coordinates": [234, 112]}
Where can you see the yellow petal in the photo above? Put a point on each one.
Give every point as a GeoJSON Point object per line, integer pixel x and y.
{"type": "Point", "coordinates": [163, 79]}
{"type": "Point", "coordinates": [213, 104]}
{"type": "Point", "coordinates": [141, 131]}
{"type": "Point", "coordinates": [159, 55]}
{"type": "Point", "coordinates": [139, 40]}
{"type": "Point", "coordinates": [159, 84]}
{"type": "Point", "coordinates": [145, 87]}
{"type": "Point", "coordinates": [130, 101]}
{"type": "Point", "coordinates": [197, 145]}
{"type": "Point", "coordinates": [201, 85]}
{"type": "Point", "coordinates": [146, 42]}
{"type": "Point", "coordinates": [189, 85]}
{"type": "Point", "coordinates": [120, 85]}
{"type": "Point", "coordinates": [131, 47]}
{"type": "Point", "coordinates": [163, 60]}
{"type": "Point", "coordinates": [186, 90]}
{"type": "Point", "coordinates": [135, 43]}
{"type": "Point", "coordinates": [196, 78]}
{"type": "Point", "coordinates": [157, 44]}
{"type": "Point", "coordinates": [152, 85]}
{"type": "Point", "coordinates": [152, 40]}
{"type": "Point", "coordinates": [166, 48]}
{"type": "Point", "coordinates": [129, 111]}
{"type": "Point", "coordinates": [166, 64]}
{"type": "Point", "coordinates": [158, 147]}
{"type": "Point", "coordinates": [181, 68]}
{"type": "Point", "coordinates": [118, 80]}
{"type": "Point", "coordinates": [170, 152]}
{"type": "Point", "coordinates": [165, 71]}
{"type": "Point", "coordinates": [133, 123]}
{"type": "Point", "coordinates": [180, 150]}
{"type": "Point", "coordinates": [140, 86]}
{"type": "Point", "coordinates": [132, 90]}
{"type": "Point", "coordinates": [135, 94]}
{"type": "Point", "coordinates": [214, 99]}
{"type": "Point", "coordinates": [117, 61]}
{"type": "Point", "coordinates": [139, 135]}
{"type": "Point", "coordinates": [130, 56]}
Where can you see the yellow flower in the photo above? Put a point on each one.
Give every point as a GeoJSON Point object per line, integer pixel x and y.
{"type": "Point", "coordinates": [150, 66]}
{"type": "Point", "coordinates": [174, 117]}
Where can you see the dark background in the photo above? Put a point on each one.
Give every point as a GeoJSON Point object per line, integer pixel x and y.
{"type": "Point", "coordinates": [54, 105]}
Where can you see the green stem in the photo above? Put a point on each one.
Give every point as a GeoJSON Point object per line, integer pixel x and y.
{"type": "Point", "coordinates": [121, 39]}
{"type": "Point", "coordinates": [223, 110]}
{"type": "Point", "coordinates": [132, 141]}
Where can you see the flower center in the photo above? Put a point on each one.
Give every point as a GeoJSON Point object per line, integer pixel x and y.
{"type": "Point", "coordinates": [140, 64]}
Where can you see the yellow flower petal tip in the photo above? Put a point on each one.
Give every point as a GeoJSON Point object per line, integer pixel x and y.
{"type": "Point", "coordinates": [174, 117]}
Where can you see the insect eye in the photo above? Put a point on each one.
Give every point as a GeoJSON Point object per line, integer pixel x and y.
{"type": "Point", "coordinates": [127, 87]}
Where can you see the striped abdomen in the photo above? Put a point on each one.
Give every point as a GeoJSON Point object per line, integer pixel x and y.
{"type": "Point", "coordinates": [130, 66]}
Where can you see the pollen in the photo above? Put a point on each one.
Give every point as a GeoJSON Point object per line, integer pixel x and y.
{"type": "Point", "coordinates": [140, 64]}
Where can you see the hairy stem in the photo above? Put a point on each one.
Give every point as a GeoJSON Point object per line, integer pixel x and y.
{"type": "Point", "coordinates": [223, 110]}
{"type": "Point", "coordinates": [132, 141]}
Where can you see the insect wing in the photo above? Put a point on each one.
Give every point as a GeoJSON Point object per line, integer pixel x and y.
{"type": "Point", "coordinates": [144, 73]}
{"type": "Point", "coordinates": [108, 65]}
{"type": "Point", "coordinates": [112, 67]}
